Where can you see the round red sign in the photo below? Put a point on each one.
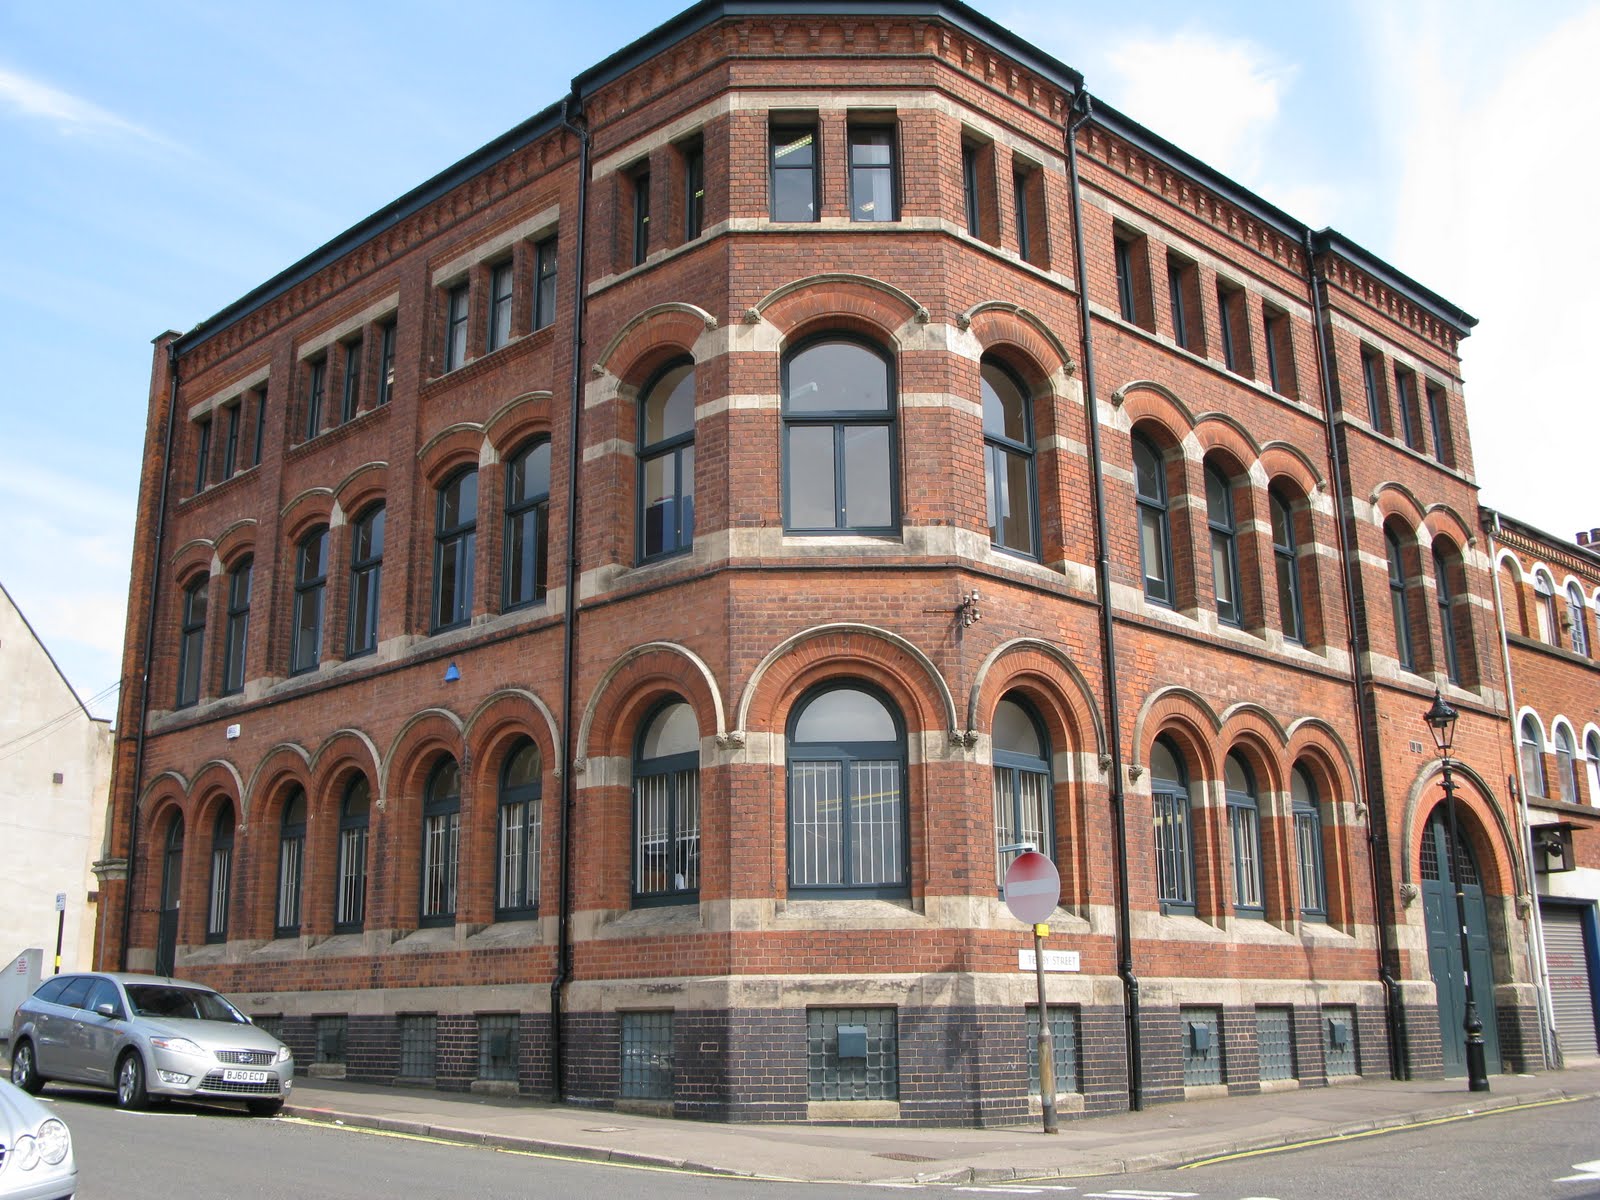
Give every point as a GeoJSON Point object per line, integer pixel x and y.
{"type": "Point", "coordinates": [1033, 887]}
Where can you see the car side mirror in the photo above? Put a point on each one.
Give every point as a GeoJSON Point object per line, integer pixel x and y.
{"type": "Point", "coordinates": [106, 1010]}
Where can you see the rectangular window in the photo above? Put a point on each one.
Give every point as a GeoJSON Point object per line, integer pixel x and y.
{"type": "Point", "coordinates": [386, 362]}
{"type": "Point", "coordinates": [544, 283]}
{"type": "Point", "coordinates": [497, 1046]}
{"type": "Point", "coordinates": [1275, 1042]}
{"type": "Point", "coordinates": [238, 628]}
{"type": "Point", "coordinates": [1339, 1039]}
{"type": "Point", "coordinates": [1019, 190]}
{"type": "Point", "coordinates": [499, 305]}
{"type": "Point", "coordinates": [191, 643]}
{"type": "Point", "coordinates": [1124, 263]}
{"type": "Point", "coordinates": [455, 335]}
{"type": "Point", "coordinates": [872, 195]}
{"type": "Point", "coordinates": [230, 445]}
{"type": "Point", "coordinates": [794, 172]}
{"type": "Point", "coordinates": [1234, 328]}
{"type": "Point", "coordinates": [440, 847]}
{"type": "Point", "coordinates": [261, 426]}
{"type": "Point", "coordinates": [1371, 374]}
{"type": "Point", "coordinates": [694, 191]}
{"type": "Point", "coordinates": [316, 381]}
{"type": "Point", "coordinates": [1201, 1029]}
{"type": "Point", "coordinates": [666, 821]}
{"type": "Point", "coordinates": [1063, 1049]}
{"type": "Point", "coordinates": [352, 381]}
{"type": "Point", "coordinates": [1308, 856]}
{"type": "Point", "coordinates": [852, 1054]}
{"type": "Point", "coordinates": [418, 1034]}
{"type": "Point", "coordinates": [1174, 868]}
{"type": "Point", "coordinates": [647, 1055]}
{"type": "Point", "coordinates": [969, 187]}
{"type": "Point", "coordinates": [1280, 353]}
{"type": "Point", "coordinates": [1436, 419]}
{"type": "Point", "coordinates": [202, 454]}
{"type": "Point", "coordinates": [331, 1034]}
{"type": "Point", "coordinates": [217, 901]}
{"type": "Point", "coordinates": [1405, 396]}
{"type": "Point", "coordinates": [641, 217]}
{"type": "Point", "coordinates": [1244, 824]}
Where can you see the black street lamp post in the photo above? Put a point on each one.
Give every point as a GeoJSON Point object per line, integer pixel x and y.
{"type": "Point", "coordinates": [1441, 719]}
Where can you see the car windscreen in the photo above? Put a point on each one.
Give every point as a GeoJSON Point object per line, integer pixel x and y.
{"type": "Point", "coordinates": [183, 1003]}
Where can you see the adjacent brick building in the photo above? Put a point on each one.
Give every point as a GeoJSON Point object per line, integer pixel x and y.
{"type": "Point", "coordinates": [605, 613]}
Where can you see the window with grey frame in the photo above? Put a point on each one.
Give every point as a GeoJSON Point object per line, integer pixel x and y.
{"type": "Point", "coordinates": [192, 642]}
{"type": "Point", "coordinates": [1008, 445]}
{"type": "Point", "coordinates": [316, 384]}
{"type": "Point", "coordinates": [366, 581]}
{"type": "Point", "coordinates": [1183, 295]}
{"type": "Point", "coordinates": [845, 757]}
{"type": "Point", "coordinates": [666, 462]}
{"type": "Point", "coordinates": [1224, 546]}
{"type": "Point", "coordinates": [872, 173]}
{"type": "Point", "coordinates": [525, 563]}
{"type": "Point", "coordinates": [1019, 193]}
{"type": "Point", "coordinates": [230, 441]}
{"type": "Point", "coordinates": [455, 326]}
{"type": "Point", "coordinates": [1577, 626]}
{"type": "Point", "coordinates": [1404, 644]}
{"type": "Point", "coordinates": [1155, 530]}
{"type": "Point", "coordinates": [454, 550]}
{"type": "Point", "coordinates": [220, 885]}
{"type": "Point", "coordinates": [350, 404]}
{"type": "Point", "coordinates": [1244, 829]}
{"type": "Point", "coordinates": [1234, 325]}
{"type": "Point", "coordinates": [1530, 747]}
{"type": "Point", "coordinates": [519, 832]}
{"type": "Point", "coordinates": [544, 283]}
{"type": "Point", "coordinates": [1310, 860]}
{"type": "Point", "coordinates": [387, 332]}
{"type": "Point", "coordinates": [840, 473]}
{"type": "Point", "coordinates": [261, 426]}
{"type": "Point", "coordinates": [1278, 335]}
{"type": "Point", "coordinates": [441, 839]}
{"type": "Point", "coordinates": [1405, 397]}
{"type": "Point", "coordinates": [1435, 399]}
{"type": "Point", "coordinates": [350, 887]}
{"type": "Point", "coordinates": [1371, 376]}
{"type": "Point", "coordinates": [236, 634]}
{"type": "Point", "coordinates": [1127, 298]}
{"type": "Point", "coordinates": [1174, 836]}
{"type": "Point", "coordinates": [793, 169]}
{"type": "Point", "coordinates": [1444, 595]}
{"type": "Point", "coordinates": [1567, 764]}
{"type": "Point", "coordinates": [640, 188]}
{"type": "Point", "coordinates": [666, 807]}
{"type": "Point", "coordinates": [969, 188]}
{"type": "Point", "coordinates": [694, 190]}
{"type": "Point", "coordinates": [202, 454]}
{"type": "Point", "coordinates": [291, 863]}
{"type": "Point", "coordinates": [1286, 560]}
{"type": "Point", "coordinates": [1023, 808]}
{"type": "Point", "coordinates": [499, 325]}
{"type": "Point", "coordinates": [310, 592]}
{"type": "Point", "coordinates": [1544, 607]}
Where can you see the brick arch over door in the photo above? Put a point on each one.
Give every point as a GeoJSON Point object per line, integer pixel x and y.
{"type": "Point", "coordinates": [1483, 825]}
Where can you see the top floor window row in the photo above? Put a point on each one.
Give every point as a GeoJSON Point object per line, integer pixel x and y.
{"type": "Point", "coordinates": [227, 438]}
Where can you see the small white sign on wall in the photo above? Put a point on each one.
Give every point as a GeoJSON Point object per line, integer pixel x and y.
{"type": "Point", "coordinates": [1054, 960]}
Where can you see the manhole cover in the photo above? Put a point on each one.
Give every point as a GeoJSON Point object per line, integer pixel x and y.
{"type": "Point", "coordinates": [901, 1156]}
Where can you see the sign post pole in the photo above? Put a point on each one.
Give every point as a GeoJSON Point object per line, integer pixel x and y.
{"type": "Point", "coordinates": [1047, 1045]}
{"type": "Point", "coordinates": [1033, 889]}
{"type": "Point", "coordinates": [61, 925]}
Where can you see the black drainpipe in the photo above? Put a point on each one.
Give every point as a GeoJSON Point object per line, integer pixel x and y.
{"type": "Point", "coordinates": [1108, 630]}
{"type": "Point", "coordinates": [569, 622]}
{"type": "Point", "coordinates": [149, 649]}
{"type": "Point", "coordinates": [1382, 899]}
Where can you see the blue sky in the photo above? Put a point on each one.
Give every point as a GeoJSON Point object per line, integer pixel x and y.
{"type": "Point", "coordinates": [163, 158]}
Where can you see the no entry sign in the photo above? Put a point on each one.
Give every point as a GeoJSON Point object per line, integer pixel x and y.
{"type": "Point", "coordinates": [1033, 887]}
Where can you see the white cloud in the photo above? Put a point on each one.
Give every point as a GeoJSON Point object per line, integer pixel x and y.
{"type": "Point", "coordinates": [71, 115]}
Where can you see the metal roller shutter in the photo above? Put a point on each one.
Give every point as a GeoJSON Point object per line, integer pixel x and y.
{"type": "Point", "coordinates": [1570, 989]}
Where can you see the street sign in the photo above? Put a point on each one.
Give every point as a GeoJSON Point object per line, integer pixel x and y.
{"type": "Point", "coordinates": [1054, 960]}
{"type": "Point", "coordinates": [61, 902]}
{"type": "Point", "coordinates": [1033, 888]}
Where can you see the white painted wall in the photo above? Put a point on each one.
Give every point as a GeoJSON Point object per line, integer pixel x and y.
{"type": "Point", "coordinates": [50, 833]}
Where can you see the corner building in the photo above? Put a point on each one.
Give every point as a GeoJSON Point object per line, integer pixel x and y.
{"type": "Point", "coordinates": [606, 613]}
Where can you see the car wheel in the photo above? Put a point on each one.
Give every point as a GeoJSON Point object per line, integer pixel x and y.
{"type": "Point", "coordinates": [24, 1071]}
{"type": "Point", "coordinates": [130, 1082]}
{"type": "Point", "coordinates": [264, 1108]}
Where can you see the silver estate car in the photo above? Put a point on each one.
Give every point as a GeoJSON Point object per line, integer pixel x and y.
{"type": "Point", "coordinates": [36, 1160]}
{"type": "Point", "coordinates": [147, 1037]}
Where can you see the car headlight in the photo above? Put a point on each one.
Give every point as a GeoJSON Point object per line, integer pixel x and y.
{"type": "Point", "coordinates": [25, 1154]}
{"type": "Point", "coordinates": [283, 1054]}
{"type": "Point", "coordinates": [54, 1142]}
{"type": "Point", "coordinates": [177, 1045]}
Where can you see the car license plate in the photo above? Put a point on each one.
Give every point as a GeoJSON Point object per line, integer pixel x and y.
{"type": "Point", "coordinates": [245, 1076]}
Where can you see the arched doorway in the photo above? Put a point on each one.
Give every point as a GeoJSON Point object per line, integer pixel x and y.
{"type": "Point", "coordinates": [171, 882]}
{"type": "Point", "coordinates": [1444, 944]}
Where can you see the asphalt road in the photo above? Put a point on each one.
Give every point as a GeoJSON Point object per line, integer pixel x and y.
{"type": "Point", "coordinates": [185, 1152]}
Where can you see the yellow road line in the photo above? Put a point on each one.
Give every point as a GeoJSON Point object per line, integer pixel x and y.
{"type": "Point", "coordinates": [1366, 1133]}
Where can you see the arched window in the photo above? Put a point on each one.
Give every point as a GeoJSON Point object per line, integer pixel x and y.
{"type": "Point", "coordinates": [1575, 620]}
{"type": "Point", "coordinates": [310, 590]}
{"type": "Point", "coordinates": [1169, 786]}
{"type": "Point", "coordinates": [366, 580]}
{"type": "Point", "coordinates": [1244, 825]}
{"type": "Point", "coordinates": [839, 439]}
{"type": "Point", "coordinates": [520, 832]}
{"type": "Point", "coordinates": [350, 896]}
{"type": "Point", "coordinates": [192, 642]}
{"type": "Point", "coordinates": [237, 634]}
{"type": "Point", "coordinates": [666, 463]}
{"type": "Point", "coordinates": [1285, 555]}
{"type": "Point", "coordinates": [291, 862]}
{"type": "Point", "coordinates": [221, 874]}
{"type": "Point", "coordinates": [1008, 460]}
{"type": "Point", "coordinates": [1591, 750]}
{"type": "Point", "coordinates": [1224, 546]}
{"type": "Point", "coordinates": [847, 809]}
{"type": "Point", "coordinates": [441, 836]}
{"type": "Point", "coordinates": [1447, 618]}
{"type": "Point", "coordinates": [1155, 533]}
{"type": "Point", "coordinates": [666, 806]}
{"type": "Point", "coordinates": [1544, 607]}
{"type": "Point", "coordinates": [1308, 846]}
{"type": "Point", "coordinates": [1531, 747]}
{"type": "Point", "coordinates": [1404, 645]}
{"type": "Point", "coordinates": [527, 550]}
{"type": "Point", "coordinates": [1567, 764]}
{"type": "Point", "coordinates": [454, 544]}
{"type": "Point", "coordinates": [1022, 791]}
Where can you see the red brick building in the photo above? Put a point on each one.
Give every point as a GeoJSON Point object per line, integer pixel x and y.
{"type": "Point", "coordinates": [603, 615]}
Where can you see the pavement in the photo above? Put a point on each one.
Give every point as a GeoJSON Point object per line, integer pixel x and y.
{"type": "Point", "coordinates": [1166, 1135]}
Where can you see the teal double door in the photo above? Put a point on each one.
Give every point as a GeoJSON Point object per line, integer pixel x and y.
{"type": "Point", "coordinates": [1444, 946]}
